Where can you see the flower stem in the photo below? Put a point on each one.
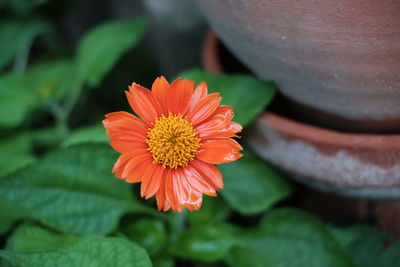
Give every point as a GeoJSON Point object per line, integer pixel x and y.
{"type": "Point", "coordinates": [72, 98]}
{"type": "Point", "coordinates": [62, 114]}
{"type": "Point", "coordinates": [21, 59]}
{"type": "Point", "coordinates": [180, 220]}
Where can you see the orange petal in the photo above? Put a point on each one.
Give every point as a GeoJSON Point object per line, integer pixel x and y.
{"type": "Point", "coordinates": [218, 125]}
{"type": "Point", "coordinates": [224, 133]}
{"type": "Point", "coordinates": [169, 191]}
{"type": "Point", "coordinates": [133, 171]}
{"type": "Point", "coordinates": [218, 120]}
{"type": "Point", "coordinates": [200, 92]}
{"type": "Point", "coordinates": [208, 172]}
{"type": "Point", "coordinates": [204, 109]}
{"type": "Point", "coordinates": [125, 123]}
{"type": "Point", "coordinates": [160, 89]}
{"type": "Point", "coordinates": [143, 103]}
{"type": "Point", "coordinates": [147, 177]}
{"type": "Point", "coordinates": [160, 195]}
{"type": "Point", "coordinates": [119, 166]}
{"type": "Point", "coordinates": [123, 146]}
{"type": "Point", "coordinates": [162, 201]}
{"type": "Point", "coordinates": [217, 151]}
{"type": "Point", "coordinates": [167, 206]}
{"type": "Point", "coordinates": [181, 189]}
{"type": "Point", "coordinates": [151, 181]}
{"type": "Point", "coordinates": [184, 194]}
{"type": "Point", "coordinates": [126, 132]}
{"type": "Point", "coordinates": [236, 127]}
{"type": "Point", "coordinates": [195, 201]}
{"type": "Point", "coordinates": [197, 182]}
{"type": "Point", "coordinates": [179, 95]}
{"type": "Point", "coordinates": [227, 132]}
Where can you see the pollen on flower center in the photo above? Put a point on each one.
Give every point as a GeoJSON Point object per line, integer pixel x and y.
{"type": "Point", "coordinates": [172, 141]}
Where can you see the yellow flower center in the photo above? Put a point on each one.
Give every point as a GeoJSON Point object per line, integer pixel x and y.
{"type": "Point", "coordinates": [172, 141]}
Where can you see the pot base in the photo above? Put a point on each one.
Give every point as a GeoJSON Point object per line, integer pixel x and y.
{"type": "Point", "coordinates": [372, 193]}
{"type": "Point", "coordinates": [357, 165]}
{"type": "Point", "coordinates": [294, 110]}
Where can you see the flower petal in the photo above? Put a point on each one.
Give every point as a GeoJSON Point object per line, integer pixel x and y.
{"type": "Point", "coordinates": [217, 151]}
{"type": "Point", "coordinates": [181, 193]}
{"type": "Point", "coordinates": [151, 181]}
{"type": "Point", "coordinates": [197, 182]}
{"type": "Point", "coordinates": [126, 132]}
{"type": "Point", "coordinates": [200, 92]}
{"type": "Point", "coordinates": [162, 201]}
{"type": "Point", "coordinates": [236, 127]}
{"type": "Point", "coordinates": [160, 195]}
{"type": "Point", "coordinates": [160, 90]}
{"type": "Point", "coordinates": [179, 95]}
{"type": "Point", "coordinates": [195, 200]}
{"type": "Point", "coordinates": [209, 172]}
{"type": "Point", "coordinates": [227, 132]}
{"type": "Point", "coordinates": [133, 171]}
{"type": "Point", "coordinates": [218, 120]}
{"type": "Point", "coordinates": [218, 125]}
{"type": "Point", "coordinates": [204, 109]}
{"type": "Point", "coordinates": [125, 123]}
{"type": "Point", "coordinates": [119, 166]}
{"type": "Point", "coordinates": [181, 189]}
{"type": "Point", "coordinates": [143, 103]}
{"type": "Point", "coordinates": [126, 145]}
{"type": "Point", "coordinates": [170, 192]}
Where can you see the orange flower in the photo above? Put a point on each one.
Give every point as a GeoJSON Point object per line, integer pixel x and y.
{"type": "Point", "coordinates": [172, 149]}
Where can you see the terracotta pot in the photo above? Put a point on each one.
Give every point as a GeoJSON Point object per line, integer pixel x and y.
{"type": "Point", "coordinates": [339, 57]}
{"type": "Point", "coordinates": [363, 165]}
{"type": "Point", "coordinates": [351, 164]}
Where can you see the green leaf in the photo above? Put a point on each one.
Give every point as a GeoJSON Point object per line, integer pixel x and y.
{"type": "Point", "coordinates": [52, 80]}
{"type": "Point", "coordinates": [251, 186]}
{"type": "Point", "coordinates": [22, 93]}
{"type": "Point", "coordinates": [17, 153]}
{"type": "Point", "coordinates": [16, 35]}
{"type": "Point", "coordinates": [148, 233]}
{"type": "Point", "coordinates": [72, 190]}
{"type": "Point", "coordinates": [32, 246]}
{"type": "Point", "coordinates": [246, 94]}
{"type": "Point", "coordinates": [206, 243]}
{"type": "Point", "coordinates": [17, 99]}
{"type": "Point", "coordinates": [163, 262]}
{"type": "Point", "coordinates": [213, 210]}
{"type": "Point", "coordinates": [30, 238]}
{"type": "Point", "coordinates": [101, 48]}
{"type": "Point", "coordinates": [90, 134]}
{"type": "Point", "coordinates": [8, 216]}
{"type": "Point", "coordinates": [46, 137]}
{"type": "Point", "coordinates": [368, 246]}
{"type": "Point", "coordinates": [287, 237]}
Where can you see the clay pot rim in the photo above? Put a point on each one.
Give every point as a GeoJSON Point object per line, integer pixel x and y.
{"type": "Point", "coordinates": [210, 53]}
{"type": "Point", "coordinates": [210, 59]}
{"type": "Point", "coordinates": [321, 135]}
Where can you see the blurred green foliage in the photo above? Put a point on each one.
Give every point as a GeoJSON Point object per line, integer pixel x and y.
{"type": "Point", "coordinates": [35, 246]}
{"type": "Point", "coordinates": [368, 246]}
{"type": "Point", "coordinates": [71, 190]}
{"type": "Point", "coordinates": [17, 36]}
{"type": "Point", "coordinates": [250, 174]}
{"type": "Point", "coordinates": [102, 47]}
{"type": "Point", "coordinates": [60, 204]}
{"type": "Point", "coordinates": [17, 148]}
{"type": "Point", "coordinates": [287, 237]}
